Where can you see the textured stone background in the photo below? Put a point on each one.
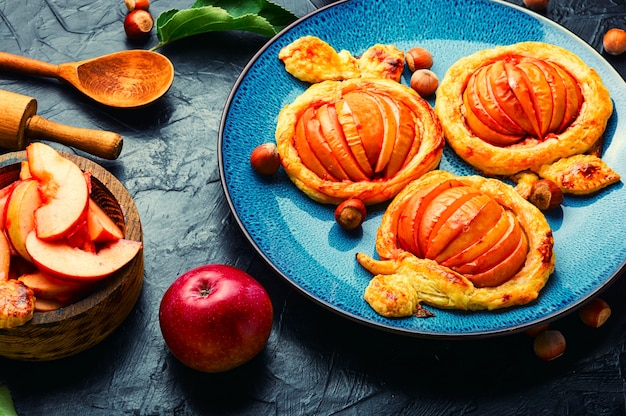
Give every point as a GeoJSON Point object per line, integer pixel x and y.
{"type": "Point", "coordinates": [315, 362]}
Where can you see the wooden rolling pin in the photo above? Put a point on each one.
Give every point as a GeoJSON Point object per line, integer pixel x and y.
{"type": "Point", "coordinates": [19, 124]}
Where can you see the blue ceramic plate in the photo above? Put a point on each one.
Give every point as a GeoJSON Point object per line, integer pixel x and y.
{"type": "Point", "coordinates": [299, 237]}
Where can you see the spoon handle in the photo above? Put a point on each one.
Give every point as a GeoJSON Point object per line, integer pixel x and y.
{"type": "Point", "coordinates": [104, 144]}
{"type": "Point", "coordinates": [29, 66]}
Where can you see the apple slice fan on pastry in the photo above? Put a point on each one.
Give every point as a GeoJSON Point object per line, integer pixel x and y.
{"type": "Point", "coordinates": [458, 242]}
{"type": "Point", "coordinates": [359, 138]}
{"type": "Point", "coordinates": [356, 132]}
{"type": "Point", "coordinates": [528, 107]}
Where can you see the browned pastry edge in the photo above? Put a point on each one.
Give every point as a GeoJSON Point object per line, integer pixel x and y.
{"type": "Point", "coordinates": [586, 130]}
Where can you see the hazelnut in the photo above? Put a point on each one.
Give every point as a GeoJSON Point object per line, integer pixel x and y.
{"type": "Point", "coordinates": [418, 58]}
{"type": "Point", "coordinates": [549, 344]}
{"type": "Point", "coordinates": [265, 159]}
{"type": "Point", "coordinates": [614, 41]}
{"type": "Point", "coordinates": [424, 82]}
{"type": "Point", "coordinates": [137, 4]}
{"type": "Point", "coordinates": [536, 330]}
{"type": "Point", "coordinates": [138, 24]}
{"type": "Point", "coordinates": [536, 4]}
{"type": "Point", "coordinates": [546, 195]}
{"type": "Point", "coordinates": [350, 214]}
{"type": "Point", "coordinates": [595, 313]}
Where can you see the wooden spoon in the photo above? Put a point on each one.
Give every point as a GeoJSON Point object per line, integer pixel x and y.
{"type": "Point", "coordinates": [127, 79]}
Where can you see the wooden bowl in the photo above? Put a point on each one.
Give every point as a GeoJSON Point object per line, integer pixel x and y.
{"type": "Point", "coordinates": [81, 325]}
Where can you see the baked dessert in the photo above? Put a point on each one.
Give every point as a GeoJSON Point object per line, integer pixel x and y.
{"type": "Point", "coordinates": [313, 60]}
{"type": "Point", "coordinates": [458, 242]}
{"type": "Point", "coordinates": [524, 107]}
{"type": "Point", "coordinates": [360, 138]}
{"type": "Point", "coordinates": [17, 303]}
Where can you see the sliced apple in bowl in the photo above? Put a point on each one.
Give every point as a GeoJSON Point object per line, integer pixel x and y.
{"type": "Point", "coordinates": [93, 299]}
{"type": "Point", "coordinates": [64, 191]}
{"type": "Point", "coordinates": [66, 262]}
{"type": "Point", "coordinates": [19, 218]}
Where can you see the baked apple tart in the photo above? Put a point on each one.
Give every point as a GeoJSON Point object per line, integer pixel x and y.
{"type": "Point", "coordinates": [310, 59]}
{"type": "Point", "coordinates": [362, 138]}
{"type": "Point", "coordinates": [458, 242]}
{"type": "Point", "coordinates": [523, 107]}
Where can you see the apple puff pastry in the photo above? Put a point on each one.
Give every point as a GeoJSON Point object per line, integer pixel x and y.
{"type": "Point", "coordinates": [458, 242]}
{"type": "Point", "coordinates": [359, 138]}
{"type": "Point", "coordinates": [522, 107]}
{"type": "Point", "coordinates": [310, 59]}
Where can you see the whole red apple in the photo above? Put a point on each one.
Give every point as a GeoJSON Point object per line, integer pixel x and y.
{"type": "Point", "coordinates": [215, 317]}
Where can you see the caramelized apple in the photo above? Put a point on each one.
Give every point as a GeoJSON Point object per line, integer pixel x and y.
{"type": "Point", "coordinates": [519, 96]}
{"type": "Point", "coordinates": [363, 138]}
{"type": "Point", "coordinates": [519, 107]}
{"type": "Point", "coordinates": [455, 224]}
{"type": "Point", "coordinates": [462, 242]}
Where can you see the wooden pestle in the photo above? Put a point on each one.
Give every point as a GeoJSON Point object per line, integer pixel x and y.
{"type": "Point", "coordinates": [19, 124]}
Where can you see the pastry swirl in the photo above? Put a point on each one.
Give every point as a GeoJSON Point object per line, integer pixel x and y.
{"type": "Point", "coordinates": [458, 242]}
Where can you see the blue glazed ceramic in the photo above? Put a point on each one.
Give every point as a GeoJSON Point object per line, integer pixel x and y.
{"type": "Point", "coordinates": [299, 237]}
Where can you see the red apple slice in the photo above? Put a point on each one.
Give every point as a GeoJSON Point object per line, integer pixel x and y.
{"type": "Point", "coordinates": [504, 270]}
{"type": "Point", "coordinates": [20, 214]}
{"type": "Point", "coordinates": [492, 104]}
{"type": "Point", "coordinates": [485, 230]}
{"type": "Point", "coordinates": [408, 224]}
{"type": "Point", "coordinates": [333, 133]}
{"type": "Point", "coordinates": [64, 191]}
{"type": "Point", "coordinates": [496, 253]}
{"type": "Point", "coordinates": [557, 89]}
{"type": "Point", "coordinates": [5, 193]}
{"type": "Point", "coordinates": [505, 97]}
{"type": "Point", "coordinates": [369, 123]}
{"type": "Point", "coordinates": [66, 262]}
{"type": "Point", "coordinates": [437, 214]}
{"type": "Point", "coordinates": [101, 227]}
{"type": "Point", "coordinates": [48, 287]}
{"type": "Point", "coordinates": [351, 133]}
{"type": "Point", "coordinates": [573, 98]}
{"type": "Point", "coordinates": [481, 130]}
{"type": "Point", "coordinates": [436, 211]}
{"type": "Point", "coordinates": [308, 157]}
{"type": "Point", "coordinates": [5, 256]}
{"type": "Point", "coordinates": [389, 112]}
{"type": "Point", "coordinates": [322, 150]}
{"type": "Point", "coordinates": [541, 94]}
{"type": "Point", "coordinates": [413, 211]}
{"type": "Point", "coordinates": [456, 222]}
{"type": "Point", "coordinates": [523, 90]}
{"type": "Point", "coordinates": [406, 139]}
{"type": "Point", "coordinates": [479, 95]}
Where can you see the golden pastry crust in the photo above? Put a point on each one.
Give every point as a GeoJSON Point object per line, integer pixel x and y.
{"type": "Point", "coordinates": [17, 303]}
{"type": "Point", "coordinates": [310, 59]}
{"type": "Point", "coordinates": [424, 154]}
{"type": "Point", "coordinates": [531, 153]}
{"type": "Point", "coordinates": [402, 280]}
{"type": "Point", "coordinates": [580, 174]}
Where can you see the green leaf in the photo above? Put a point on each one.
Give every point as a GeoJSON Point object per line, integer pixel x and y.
{"type": "Point", "coordinates": [257, 16]}
{"type": "Point", "coordinates": [6, 402]}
